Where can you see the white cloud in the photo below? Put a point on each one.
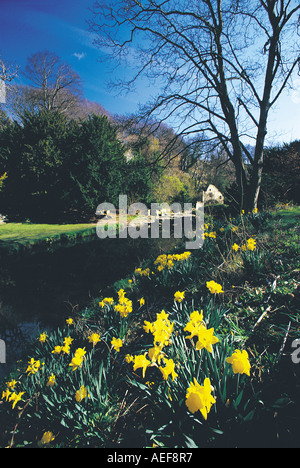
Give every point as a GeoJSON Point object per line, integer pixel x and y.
{"type": "Point", "coordinates": [79, 55]}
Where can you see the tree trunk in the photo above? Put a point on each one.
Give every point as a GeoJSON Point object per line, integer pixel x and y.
{"type": "Point", "coordinates": [257, 166]}
{"type": "Point", "coordinates": [255, 181]}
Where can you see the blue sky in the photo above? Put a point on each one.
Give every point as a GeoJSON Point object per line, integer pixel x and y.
{"type": "Point", "coordinates": [29, 26]}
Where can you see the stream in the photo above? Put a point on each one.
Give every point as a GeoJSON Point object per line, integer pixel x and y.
{"type": "Point", "coordinates": [39, 291]}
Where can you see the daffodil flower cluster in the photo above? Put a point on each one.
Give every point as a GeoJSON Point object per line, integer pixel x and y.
{"type": "Point", "coordinates": [124, 306]}
{"type": "Point", "coordinates": [77, 359]}
{"type": "Point", "coordinates": [249, 245]}
{"type": "Point", "coordinates": [140, 272]}
{"type": "Point", "coordinates": [168, 261]}
{"type": "Point", "coordinates": [161, 330]}
{"type": "Point", "coordinates": [197, 328]}
{"type": "Point", "coordinates": [65, 348]}
{"type": "Point", "coordinates": [12, 396]}
{"type": "Point", "coordinates": [198, 397]}
{"type": "Point", "coordinates": [34, 366]}
{"type": "Point", "coordinates": [106, 301]}
{"type": "Point", "coordinates": [206, 234]}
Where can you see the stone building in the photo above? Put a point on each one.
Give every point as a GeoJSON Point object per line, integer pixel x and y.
{"type": "Point", "coordinates": [212, 195]}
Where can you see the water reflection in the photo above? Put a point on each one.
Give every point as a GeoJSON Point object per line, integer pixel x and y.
{"type": "Point", "coordinates": [16, 337]}
{"type": "Point", "coordinates": [37, 292]}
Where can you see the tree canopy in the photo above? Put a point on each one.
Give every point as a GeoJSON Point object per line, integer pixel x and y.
{"type": "Point", "coordinates": [221, 66]}
{"type": "Point", "coordinates": [56, 166]}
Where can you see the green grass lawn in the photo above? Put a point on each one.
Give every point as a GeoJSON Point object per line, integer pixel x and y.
{"type": "Point", "coordinates": [19, 232]}
{"type": "Point", "coordinates": [289, 216]}
{"type": "Point", "coordinates": [24, 233]}
{"type": "Point", "coordinates": [16, 237]}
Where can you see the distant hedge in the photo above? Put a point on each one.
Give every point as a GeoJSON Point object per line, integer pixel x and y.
{"type": "Point", "coordinates": [56, 166]}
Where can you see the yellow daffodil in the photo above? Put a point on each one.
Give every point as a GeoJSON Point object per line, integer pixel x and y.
{"type": "Point", "coordinates": [57, 350]}
{"type": "Point", "coordinates": [179, 296]}
{"type": "Point", "coordinates": [198, 329]}
{"type": "Point", "coordinates": [15, 398]}
{"type": "Point", "coordinates": [199, 398]}
{"type": "Point", "coordinates": [68, 340]}
{"type": "Point", "coordinates": [206, 338]}
{"type": "Point", "coordinates": [66, 349]}
{"type": "Point", "coordinates": [124, 306]}
{"type": "Point", "coordinates": [161, 329]}
{"type": "Point", "coordinates": [141, 362]}
{"type": "Point", "coordinates": [196, 319]}
{"type": "Point", "coordinates": [240, 362]}
{"type": "Point", "coordinates": [80, 352]}
{"type": "Point", "coordinates": [76, 362]}
{"type": "Point", "coordinates": [94, 338]}
{"type": "Point", "coordinates": [142, 301]}
{"type": "Point", "coordinates": [51, 381]}
{"type": "Point", "coordinates": [81, 394]}
{"type": "Point", "coordinates": [251, 244]}
{"type": "Point", "coordinates": [33, 366]}
{"type": "Point", "coordinates": [129, 358]}
{"type": "Point", "coordinates": [106, 301]}
{"type": "Point", "coordinates": [11, 384]}
{"type": "Point", "coordinates": [155, 354]}
{"type": "Point", "coordinates": [148, 327]}
{"type": "Point", "coordinates": [70, 321]}
{"type": "Point", "coordinates": [5, 394]}
{"type": "Point", "coordinates": [116, 344]}
{"type": "Point", "coordinates": [42, 337]}
{"type": "Point", "coordinates": [47, 438]}
{"type": "Point", "coordinates": [214, 287]}
{"type": "Point", "coordinates": [235, 247]}
{"type": "Point", "coordinates": [169, 369]}
{"type": "Point", "coordinates": [145, 272]}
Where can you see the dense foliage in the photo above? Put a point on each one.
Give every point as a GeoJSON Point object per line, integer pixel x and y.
{"type": "Point", "coordinates": [54, 166]}
{"type": "Point", "coordinates": [281, 179]}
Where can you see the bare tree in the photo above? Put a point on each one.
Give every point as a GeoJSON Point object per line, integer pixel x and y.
{"type": "Point", "coordinates": [56, 86]}
{"type": "Point", "coordinates": [221, 64]}
{"type": "Point", "coordinates": [7, 71]}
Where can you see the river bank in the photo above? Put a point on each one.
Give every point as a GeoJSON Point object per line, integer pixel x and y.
{"type": "Point", "coordinates": [40, 287]}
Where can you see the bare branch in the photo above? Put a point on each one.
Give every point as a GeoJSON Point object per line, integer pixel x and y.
{"type": "Point", "coordinates": [7, 72]}
{"type": "Point", "coordinates": [57, 85]}
{"type": "Point", "coordinates": [221, 66]}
